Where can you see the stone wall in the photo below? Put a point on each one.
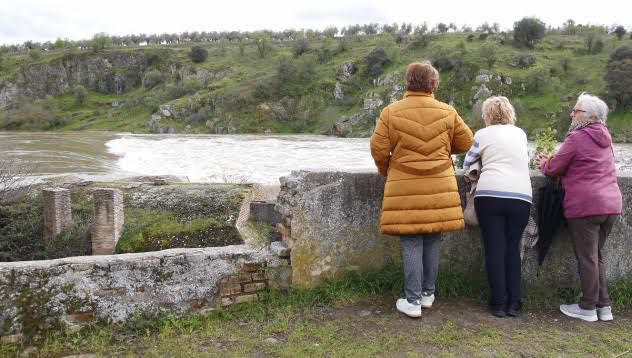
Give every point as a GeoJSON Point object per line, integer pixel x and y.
{"type": "Point", "coordinates": [38, 295]}
{"type": "Point", "coordinates": [333, 219]}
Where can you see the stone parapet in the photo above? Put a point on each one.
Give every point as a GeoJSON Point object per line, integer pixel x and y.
{"type": "Point", "coordinates": [38, 295]}
{"type": "Point", "coordinates": [332, 223]}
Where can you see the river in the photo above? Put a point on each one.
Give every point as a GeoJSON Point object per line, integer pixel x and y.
{"type": "Point", "coordinates": [195, 158]}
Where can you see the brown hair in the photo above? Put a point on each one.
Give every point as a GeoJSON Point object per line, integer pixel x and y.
{"type": "Point", "coordinates": [498, 110]}
{"type": "Point", "coordinates": [421, 76]}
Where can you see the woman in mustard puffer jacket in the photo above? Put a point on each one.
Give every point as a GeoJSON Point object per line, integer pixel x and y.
{"type": "Point", "coordinates": [411, 146]}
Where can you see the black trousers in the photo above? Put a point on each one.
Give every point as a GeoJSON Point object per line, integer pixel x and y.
{"type": "Point", "coordinates": [502, 222]}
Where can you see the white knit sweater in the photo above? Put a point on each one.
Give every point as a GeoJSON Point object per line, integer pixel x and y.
{"type": "Point", "coordinates": [502, 150]}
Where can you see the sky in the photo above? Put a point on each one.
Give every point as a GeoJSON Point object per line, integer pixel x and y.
{"type": "Point", "coordinates": [47, 20]}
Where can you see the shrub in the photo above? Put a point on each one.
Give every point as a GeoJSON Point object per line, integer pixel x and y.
{"type": "Point", "coordinates": [300, 47]}
{"type": "Point", "coordinates": [198, 54]}
{"type": "Point", "coordinates": [192, 84]}
{"type": "Point", "coordinates": [528, 31]}
{"type": "Point", "coordinates": [566, 64]}
{"type": "Point", "coordinates": [536, 80]}
{"type": "Point", "coordinates": [442, 61]}
{"type": "Point", "coordinates": [524, 60]}
{"type": "Point", "coordinates": [152, 79]}
{"type": "Point", "coordinates": [35, 54]}
{"type": "Point", "coordinates": [376, 60]}
{"type": "Point", "coordinates": [594, 43]}
{"type": "Point", "coordinates": [80, 93]}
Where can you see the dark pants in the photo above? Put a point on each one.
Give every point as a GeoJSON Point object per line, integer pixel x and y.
{"type": "Point", "coordinates": [588, 235]}
{"type": "Point", "coordinates": [502, 222]}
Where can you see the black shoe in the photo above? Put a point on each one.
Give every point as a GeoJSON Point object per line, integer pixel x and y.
{"type": "Point", "coordinates": [497, 311]}
{"type": "Point", "coordinates": [514, 309]}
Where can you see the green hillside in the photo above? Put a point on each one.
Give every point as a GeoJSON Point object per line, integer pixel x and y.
{"type": "Point", "coordinates": [267, 82]}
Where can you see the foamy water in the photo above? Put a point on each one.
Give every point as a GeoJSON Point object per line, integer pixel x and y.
{"type": "Point", "coordinates": [238, 158]}
{"type": "Point", "coordinates": [196, 158]}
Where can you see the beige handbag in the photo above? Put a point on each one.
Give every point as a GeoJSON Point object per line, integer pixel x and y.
{"type": "Point", "coordinates": [469, 213]}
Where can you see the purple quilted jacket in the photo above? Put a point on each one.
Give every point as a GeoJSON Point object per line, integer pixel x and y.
{"type": "Point", "coordinates": [589, 177]}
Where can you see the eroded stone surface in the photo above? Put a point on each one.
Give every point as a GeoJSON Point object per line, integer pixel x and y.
{"type": "Point", "coordinates": [333, 220]}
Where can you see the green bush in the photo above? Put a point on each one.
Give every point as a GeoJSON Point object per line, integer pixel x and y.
{"type": "Point", "coordinates": [525, 60]}
{"type": "Point", "coordinates": [376, 60]}
{"type": "Point", "coordinates": [152, 79]}
{"type": "Point", "coordinates": [198, 54]}
{"type": "Point", "coordinates": [81, 94]}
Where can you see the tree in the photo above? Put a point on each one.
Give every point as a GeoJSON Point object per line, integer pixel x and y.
{"type": "Point", "coordinates": [619, 31]}
{"type": "Point", "coordinates": [569, 27]}
{"type": "Point", "coordinates": [528, 31]}
{"type": "Point", "coordinates": [100, 41]}
{"type": "Point", "coordinates": [619, 76]}
{"type": "Point", "coordinates": [198, 54]}
{"type": "Point", "coordinates": [262, 40]}
{"type": "Point", "coordinates": [488, 53]}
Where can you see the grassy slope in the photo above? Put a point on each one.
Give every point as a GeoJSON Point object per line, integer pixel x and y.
{"type": "Point", "coordinates": [535, 110]}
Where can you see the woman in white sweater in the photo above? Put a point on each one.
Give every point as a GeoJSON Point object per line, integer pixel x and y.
{"type": "Point", "coordinates": [502, 201]}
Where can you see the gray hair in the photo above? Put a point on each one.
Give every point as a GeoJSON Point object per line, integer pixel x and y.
{"type": "Point", "coordinates": [594, 106]}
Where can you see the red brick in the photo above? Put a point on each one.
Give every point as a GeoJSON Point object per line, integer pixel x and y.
{"type": "Point", "coordinates": [253, 287]}
{"type": "Point", "coordinates": [258, 276]}
{"type": "Point", "coordinates": [81, 317]}
{"type": "Point", "coordinates": [230, 290]}
{"type": "Point", "coordinates": [234, 279]}
{"type": "Point", "coordinates": [252, 266]}
{"type": "Point", "coordinates": [245, 277]}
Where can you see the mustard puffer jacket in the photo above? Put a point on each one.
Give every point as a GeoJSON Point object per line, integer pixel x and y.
{"type": "Point", "coordinates": [411, 146]}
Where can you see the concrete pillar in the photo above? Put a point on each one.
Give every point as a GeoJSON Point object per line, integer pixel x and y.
{"type": "Point", "coordinates": [108, 220]}
{"type": "Point", "coordinates": [57, 213]}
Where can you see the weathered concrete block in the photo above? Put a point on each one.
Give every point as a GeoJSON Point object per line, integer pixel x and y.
{"type": "Point", "coordinates": [109, 218]}
{"type": "Point", "coordinates": [57, 211]}
{"type": "Point", "coordinates": [264, 211]}
{"type": "Point", "coordinates": [334, 220]}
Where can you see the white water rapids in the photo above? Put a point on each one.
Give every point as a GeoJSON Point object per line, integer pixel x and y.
{"type": "Point", "coordinates": [195, 158]}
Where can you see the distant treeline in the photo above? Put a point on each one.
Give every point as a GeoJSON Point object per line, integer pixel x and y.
{"type": "Point", "coordinates": [399, 31]}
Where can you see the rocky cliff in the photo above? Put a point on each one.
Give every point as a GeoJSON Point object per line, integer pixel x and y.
{"type": "Point", "coordinates": [108, 73]}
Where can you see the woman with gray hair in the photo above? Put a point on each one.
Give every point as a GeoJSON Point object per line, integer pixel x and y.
{"type": "Point", "coordinates": [592, 200]}
{"type": "Point", "coordinates": [502, 201]}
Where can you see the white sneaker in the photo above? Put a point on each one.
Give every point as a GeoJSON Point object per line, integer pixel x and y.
{"type": "Point", "coordinates": [409, 309]}
{"type": "Point", "coordinates": [605, 313]}
{"type": "Point", "coordinates": [426, 301]}
{"type": "Point", "coordinates": [577, 312]}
